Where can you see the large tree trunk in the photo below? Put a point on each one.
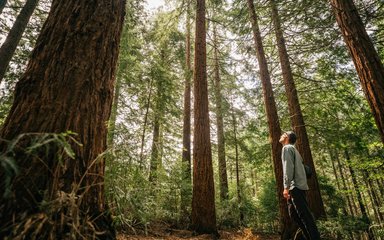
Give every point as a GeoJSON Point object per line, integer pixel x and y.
{"type": "Point", "coordinates": [9, 46]}
{"type": "Point", "coordinates": [286, 225]}
{"type": "Point", "coordinates": [297, 121]}
{"type": "Point", "coordinates": [186, 186]}
{"type": "Point", "coordinates": [219, 121]}
{"type": "Point", "coordinates": [365, 57]}
{"type": "Point", "coordinates": [68, 85]}
{"type": "Point", "coordinates": [203, 198]}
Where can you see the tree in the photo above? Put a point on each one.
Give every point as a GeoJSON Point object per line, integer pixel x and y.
{"type": "Point", "coordinates": [296, 116]}
{"type": "Point", "coordinates": [273, 121]}
{"type": "Point", "coordinates": [365, 57]}
{"type": "Point", "coordinates": [68, 85]}
{"type": "Point", "coordinates": [186, 153]}
{"type": "Point", "coordinates": [219, 119]}
{"type": "Point", "coordinates": [9, 46]}
{"type": "Point", "coordinates": [203, 194]}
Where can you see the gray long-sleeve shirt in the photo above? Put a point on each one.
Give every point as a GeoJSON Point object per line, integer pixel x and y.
{"type": "Point", "coordinates": [293, 169]}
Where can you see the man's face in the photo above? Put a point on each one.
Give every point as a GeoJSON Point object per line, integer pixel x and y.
{"type": "Point", "coordinates": [283, 138]}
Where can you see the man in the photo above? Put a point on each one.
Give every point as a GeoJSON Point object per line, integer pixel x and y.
{"type": "Point", "coordinates": [295, 185]}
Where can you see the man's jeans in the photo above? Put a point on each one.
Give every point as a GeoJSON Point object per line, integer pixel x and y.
{"type": "Point", "coordinates": [299, 211]}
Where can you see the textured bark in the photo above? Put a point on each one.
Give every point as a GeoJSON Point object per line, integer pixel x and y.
{"type": "Point", "coordinates": [219, 121]}
{"type": "Point", "coordinates": [286, 225]}
{"type": "Point", "coordinates": [9, 46]}
{"type": "Point", "coordinates": [68, 85]}
{"type": "Point", "coordinates": [365, 57]}
{"type": "Point", "coordinates": [297, 121]}
{"type": "Point", "coordinates": [186, 155]}
{"type": "Point", "coordinates": [203, 194]}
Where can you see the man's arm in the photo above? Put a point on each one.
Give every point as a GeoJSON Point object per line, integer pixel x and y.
{"type": "Point", "coordinates": [288, 166]}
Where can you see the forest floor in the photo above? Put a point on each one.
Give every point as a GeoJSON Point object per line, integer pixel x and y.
{"type": "Point", "coordinates": [177, 234]}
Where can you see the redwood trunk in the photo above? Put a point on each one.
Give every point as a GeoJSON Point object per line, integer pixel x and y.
{"type": "Point", "coordinates": [68, 85]}
{"type": "Point", "coordinates": [365, 57]}
{"type": "Point", "coordinates": [186, 186]}
{"type": "Point", "coordinates": [273, 123]}
{"type": "Point", "coordinates": [203, 199]}
{"type": "Point", "coordinates": [297, 121]}
{"type": "Point", "coordinates": [219, 121]}
{"type": "Point", "coordinates": [9, 46]}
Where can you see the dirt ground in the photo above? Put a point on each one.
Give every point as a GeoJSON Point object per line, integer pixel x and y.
{"type": "Point", "coordinates": [173, 234]}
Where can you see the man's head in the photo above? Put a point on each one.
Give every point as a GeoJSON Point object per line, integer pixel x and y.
{"type": "Point", "coordinates": [288, 137]}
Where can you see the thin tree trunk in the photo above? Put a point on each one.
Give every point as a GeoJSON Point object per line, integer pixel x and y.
{"type": "Point", "coordinates": [286, 225]}
{"type": "Point", "coordinates": [68, 85]}
{"type": "Point", "coordinates": [112, 119]}
{"type": "Point", "coordinates": [374, 197]}
{"type": "Point", "coordinates": [238, 185]}
{"type": "Point", "coordinates": [186, 186]}
{"type": "Point", "coordinates": [219, 121]}
{"type": "Point", "coordinates": [145, 123]}
{"type": "Point", "coordinates": [332, 155]}
{"type": "Point", "coordinates": [155, 152]}
{"type": "Point", "coordinates": [352, 209]}
{"type": "Point", "coordinates": [365, 57]}
{"type": "Point", "coordinates": [359, 196]}
{"type": "Point", "coordinates": [297, 121]}
{"type": "Point", "coordinates": [9, 46]}
{"type": "Point", "coordinates": [203, 197]}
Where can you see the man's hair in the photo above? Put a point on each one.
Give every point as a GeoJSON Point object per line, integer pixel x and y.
{"type": "Point", "coordinates": [291, 137]}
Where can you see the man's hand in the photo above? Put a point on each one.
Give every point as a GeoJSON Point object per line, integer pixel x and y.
{"type": "Point", "coordinates": [286, 194]}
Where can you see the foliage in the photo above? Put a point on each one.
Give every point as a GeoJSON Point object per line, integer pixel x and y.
{"type": "Point", "coordinates": [268, 207]}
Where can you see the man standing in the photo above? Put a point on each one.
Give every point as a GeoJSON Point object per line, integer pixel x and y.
{"type": "Point", "coordinates": [295, 185]}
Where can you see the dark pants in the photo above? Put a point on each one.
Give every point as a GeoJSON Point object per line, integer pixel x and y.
{"type": "Point", "coordinates": [299, 211]}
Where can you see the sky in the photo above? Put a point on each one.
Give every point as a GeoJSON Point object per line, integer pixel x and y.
{"type": "Point", "coordinates": [153, 4]}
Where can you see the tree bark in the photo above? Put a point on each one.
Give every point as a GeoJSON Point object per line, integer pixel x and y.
{"type": "Point", "coordinates": [297, 121]}
{"type": "Point", "coordinates": [286, 225]}
{"type": "Point", "coordinates": [365, 57]}
{"type": "Point", "coordinates": [186, 186]}
{"type": "Point", "coordinates": [203, 198]}
{"type": "Point", "coordinates": [9, 46]}
{"type": "Point", "coordinates": [68, 85]}
{"type": "Point", "coordinates": [219, 121]}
